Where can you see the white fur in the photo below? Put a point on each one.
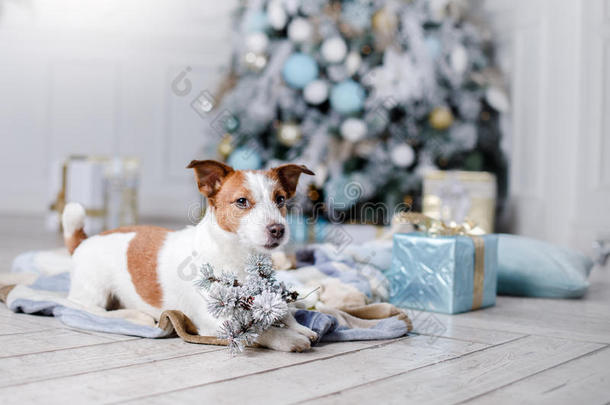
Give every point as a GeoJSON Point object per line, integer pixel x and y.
{"type": "Point", "coordinates": [73, 218]}
{"type": "Point", "coordinates": [100, 266]}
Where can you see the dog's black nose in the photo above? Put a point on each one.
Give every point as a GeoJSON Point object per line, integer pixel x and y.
{"type": "Point", "coordinates": [276, 231]}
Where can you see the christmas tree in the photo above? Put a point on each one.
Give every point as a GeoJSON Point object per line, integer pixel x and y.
{"type": "Point", "coordinates": [367, 93]}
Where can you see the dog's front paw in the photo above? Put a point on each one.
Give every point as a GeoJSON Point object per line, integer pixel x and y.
{"type": "Point", "coordinates": [294, 343]}
{"type": "Point", "coordinates": [305, 331]}
{"type": "Point", "coordinates": [284, 339]}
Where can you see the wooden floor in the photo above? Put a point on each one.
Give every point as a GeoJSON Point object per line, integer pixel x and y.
{"type": "Point", "coordinates": [522, 350]}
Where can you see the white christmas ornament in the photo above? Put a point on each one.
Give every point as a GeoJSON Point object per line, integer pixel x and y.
{"type": "Point", "coordinates": [498, 99]}
{"type": "Point", "coordinates": [353, 62]}
{"type": "Point", "coordinates": [402, 155]}
{"type": "Point", "coordinates": [459, 59]}
{"type": "Point", "coordinates": [353, 129]}
{"type": "Point", "coordinates": [291, 6]}
{"type": "Point", "coordinates": [276, 15]}
{"type": "Point", "coordinates": [334, 50]}
{"type": "Point", "coordinates": [257, 42]}
{"type": "Point", "coordinates": [316, 92]}
{"type": "Point", "coordinates": [299, 30]}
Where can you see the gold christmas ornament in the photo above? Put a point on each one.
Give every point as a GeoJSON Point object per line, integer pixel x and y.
{"type": "Point", "coordinates": [441, 118]}
{"type": "Point", "coordinates": [384, 24]}
{"type": "Point", "coordinates": [225, 147]}
{"type": "Point", "coordinates": [289, 133]}
{"type": "Point", "coordinates": [384, 21]}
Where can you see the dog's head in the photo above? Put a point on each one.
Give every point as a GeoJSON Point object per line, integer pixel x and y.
{"type": "Point", "coordinates": [250, 203]}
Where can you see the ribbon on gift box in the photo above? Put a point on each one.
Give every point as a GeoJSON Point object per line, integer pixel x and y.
{"type": "Point", "coordinates": [436, 227]}
{"type": "Point", "coordinates": [116, 205]}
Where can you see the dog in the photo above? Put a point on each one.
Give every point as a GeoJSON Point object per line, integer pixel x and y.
{"type": "Point", "coordinates": [143, 266]}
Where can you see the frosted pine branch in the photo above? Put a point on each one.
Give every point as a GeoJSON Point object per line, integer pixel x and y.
{"type": "Point", "coordinates": [248, 309]}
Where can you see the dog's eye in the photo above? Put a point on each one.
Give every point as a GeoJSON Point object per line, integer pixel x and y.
{"type": "Point", "coordinates": [242, 202]}
{"type": "Point", "coordinates": [280, 200]}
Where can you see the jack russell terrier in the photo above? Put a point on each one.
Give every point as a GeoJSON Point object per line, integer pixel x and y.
{"type": "Point", "coordinates": [142, 266]}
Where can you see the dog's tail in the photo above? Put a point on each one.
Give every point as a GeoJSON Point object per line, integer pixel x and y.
{"type": "Point", "coordinates": [73, 222]}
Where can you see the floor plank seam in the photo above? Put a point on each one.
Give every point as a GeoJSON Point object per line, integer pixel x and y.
{"type": "Point", "coordinates": [28, 331]}
{"type": "Point", "coordinates": [103, 335]}
{"type": "Point", "coordinates": [411, 370]}
{"type": "Point", "coordinates": [466, 340]}
{"type": "Point", "coordinates": [110, 368]}
{"type": "Point", "coordinates": [265, 371]}
{"type": "Point", "coordinates": [591, 353]}
{"type": "Point", "coordinates": [66, 348]}
{"type": "Point", "coordinates": [550, 335]}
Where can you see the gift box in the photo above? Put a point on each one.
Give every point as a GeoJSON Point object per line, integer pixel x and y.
{"type": "Point", "coordinates": [106, 187]}
{"type": "Point", "coordinates": [456, 196]}
{"type": "Point", "coordinates": [448, 274]}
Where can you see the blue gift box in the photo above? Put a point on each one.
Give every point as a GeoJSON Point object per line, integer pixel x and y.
{"type": "Point", "coordinates": [449, 274]}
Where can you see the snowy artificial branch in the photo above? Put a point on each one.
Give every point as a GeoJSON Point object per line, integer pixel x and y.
{"type": "Point", "coordinates": [246, 309]}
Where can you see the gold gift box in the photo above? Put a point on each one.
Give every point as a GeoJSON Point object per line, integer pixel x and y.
{"type": "Point", "coordinates": [455, 196]}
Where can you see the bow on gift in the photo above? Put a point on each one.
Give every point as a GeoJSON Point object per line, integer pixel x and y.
{"type": "Point", "coordinates": [436, 227]}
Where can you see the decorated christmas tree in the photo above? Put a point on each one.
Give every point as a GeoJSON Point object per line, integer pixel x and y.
{"type": "Point", "coordinates": [367, 93]}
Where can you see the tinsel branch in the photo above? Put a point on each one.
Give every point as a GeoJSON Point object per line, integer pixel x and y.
{"type": "Point", "coordinates": [246, 309]}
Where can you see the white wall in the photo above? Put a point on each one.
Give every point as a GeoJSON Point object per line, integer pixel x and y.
{"type": "Point", "coordinates": [94, 77]}
{"type": "Point", "coordinates": [556, 53]}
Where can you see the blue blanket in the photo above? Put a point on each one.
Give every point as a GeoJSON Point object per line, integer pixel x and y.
{"type": "Point", "coordinates": [47, 296]}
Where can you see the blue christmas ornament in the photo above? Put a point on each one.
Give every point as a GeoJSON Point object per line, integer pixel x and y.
{"type": "Point", "coordinates": [245, 158]}
{"type": "Point", "coordinates": [347, 97]}
{"type": "Point", "coordinates": [257, 21]}
{"type": "Point", "coordinates": [299, 70]}
{"type": "Point", "coordinates": [433, 45]}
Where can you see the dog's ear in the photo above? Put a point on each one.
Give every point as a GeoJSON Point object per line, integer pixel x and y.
{"type": "Point", "coordinates": [209, 175]}
{"type": "Point", "coordinates": [288, 176]}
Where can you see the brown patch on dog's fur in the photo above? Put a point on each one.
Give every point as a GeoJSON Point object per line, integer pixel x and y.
{"type": "Point", "coordinates": [227, 213]}
{"type": "Point", "coordinates": [74, 240]}
{"type": "Point", "coordinates": [209, 175]}
{"type": "Point", "coordinates": [142, 257]}
{"type": "Point", "coordinates": [288, 176]}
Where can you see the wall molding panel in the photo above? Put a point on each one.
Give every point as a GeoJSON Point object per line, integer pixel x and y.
{"type": "Point", "coordinates": [95, 78]}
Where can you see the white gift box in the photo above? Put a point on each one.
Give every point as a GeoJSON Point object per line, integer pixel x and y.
{"type": "Point", "coordinates": [107, 189]}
